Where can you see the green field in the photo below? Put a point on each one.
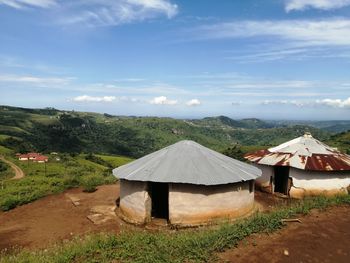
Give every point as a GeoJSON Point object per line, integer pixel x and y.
{"type": "Point", "coordinates": [53, 177]}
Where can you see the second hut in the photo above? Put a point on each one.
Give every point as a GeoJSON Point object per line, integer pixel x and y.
{"type": "Point", "coordinates": [301, 167]}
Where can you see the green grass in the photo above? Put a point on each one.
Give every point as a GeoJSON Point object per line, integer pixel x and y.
{"type": "Point", "coordinates": [57, 177]}
{"type": "Point", "coordinates": [115, 161]}
{"type": "Point", "coordinates": [3, 137]}
{"type": "Point", "coordinates": [4, 128]}
{"type": "Point", "coordinates": [197, 245]}
{"type": "Point", "coordinates": [5, 171]}
{"type": "Point", "coordinates": [4, 150]}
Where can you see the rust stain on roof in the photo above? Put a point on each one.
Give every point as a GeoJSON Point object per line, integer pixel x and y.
{"type": "Point", "coordinates": [295, 153]}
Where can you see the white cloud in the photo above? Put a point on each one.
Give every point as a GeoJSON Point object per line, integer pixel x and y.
{"type": "Point", "coordinates": [101, 13]}
{"type": "Point", "coordinates": [284, 102]}
{"type": "Point", "coordinates": [301, 33]}
{"type": "Point", "coordinates": [116, 12]}
{"type": "Point", "coordinates": [34, 80]}
{"type": "Point", "coordinates": [193, 102]}
{"type": "Point", "coordinates": [335, 103]}
{"type": "Point", "coordinates": [297, 5]}
{"type": "Point", "coordinates": [291, 53]}
{"type": "Point", "coordinates": [86, 98]}
{"type": "Point", "coordinates": [162, 100]}
{"type": "Point", "coordinates": [19, 4]}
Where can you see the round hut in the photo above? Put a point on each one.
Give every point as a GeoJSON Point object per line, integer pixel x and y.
{"type": "Point", "coordinates": [186, 184]}
{"type": "Point", "coordinates": [303, 166]}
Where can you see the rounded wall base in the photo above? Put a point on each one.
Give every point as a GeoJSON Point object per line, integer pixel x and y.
{"type": "Point", "coordinates": [213, 217]}
{"type": "Point", "coordinates": [130, 216]}
{"type": "Point", "coordinates": [300, 193]}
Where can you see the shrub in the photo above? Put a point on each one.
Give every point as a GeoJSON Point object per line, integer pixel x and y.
{"type": "Point", "coordinates": [9, 203]}
{"type": "Point", "coordinates": [71, 181]}
{"type": "Point", "coordinates": [90, 183]}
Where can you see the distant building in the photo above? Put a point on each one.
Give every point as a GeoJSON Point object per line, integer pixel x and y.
{"type": "Point", "coordinates": [41, 159]}
{"type": "Point", "coordinates": [35, 157]}
{"type": "Point", "coordinates": [23, 157]}
{"type": "Point", "coordinates": [186, 184]}
{"type": "Point", "coordinates": [303, 166]}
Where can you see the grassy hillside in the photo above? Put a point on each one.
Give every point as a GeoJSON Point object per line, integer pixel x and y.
{"type": "Point", "coordinates": [341, 141]}
{"type": "Point", "coordinates": [41, 179]}
{"type": "Point", "coordinates": [47, 130]}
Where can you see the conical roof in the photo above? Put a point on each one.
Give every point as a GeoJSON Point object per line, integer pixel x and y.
{"type": "Point", "coordinates": [305, 153]}
{"type": "Point", "coordinates": [187, 162]}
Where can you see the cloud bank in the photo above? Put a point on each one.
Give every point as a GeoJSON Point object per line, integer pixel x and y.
{"type": "Point", "coordinates": [19, 4]}
{"type": "Point", "coordinates": [299, 5]}
{"type": "Point", "coordinates": [86, 98]}
{"type": "Point", "coordinates": [162, 100]}
{"type": "Point", "coordinates": [193, 102]}
{"type": "Point", "coordinates": [335, 103]}
{"type": "Point", "coordinates": [100, 13]}
{"type": "Point", "coordinates": [334, 32]}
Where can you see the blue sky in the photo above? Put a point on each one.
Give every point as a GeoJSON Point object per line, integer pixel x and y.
{"type": "Point", "coordinates": [271, 59]}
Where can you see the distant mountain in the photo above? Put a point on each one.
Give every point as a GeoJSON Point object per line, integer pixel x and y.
{"type": "Point", "coordinates": [222, 121]}
{"type": "Point", "coordinates": [334, 126]}
{"type": "Point", "coordinates": [49, 129]}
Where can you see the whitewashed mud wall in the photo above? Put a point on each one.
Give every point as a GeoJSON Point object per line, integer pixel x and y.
{"type": "Point", "coordinates": [263, 182]}
{"type": "Point", "coordinates": [315, 183]}
{"type": "Point", "coordinates": [135, 202]}
{"type": "Point", "coordinates": [195, 204]}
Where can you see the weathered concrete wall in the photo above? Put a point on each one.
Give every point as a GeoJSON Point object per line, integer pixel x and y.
{"type": "Point", "coordinates": [197, 204]}
{"type": "Point", "coordinates": [135, 203]}
{"type": "Point", "coordinates": [263, 183]}
{"type": "Point", "coordinates": [314, 183]}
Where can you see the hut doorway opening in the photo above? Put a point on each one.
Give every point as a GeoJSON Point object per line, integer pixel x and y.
{"type": "Point", "coordinates": [159, 193]}
{"type": "Point", "coordinates": [281, 182]}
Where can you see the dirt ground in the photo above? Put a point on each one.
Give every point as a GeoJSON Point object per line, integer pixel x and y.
{"type": "Point", "coordinates": [322, 236]}
{"type": "Point", "coordinates": [59, 217]}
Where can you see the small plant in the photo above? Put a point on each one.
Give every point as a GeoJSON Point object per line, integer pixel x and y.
{"type": "Point", "coordinates": [90, 183]}
{"type": "Point", "coordinates": [9, 203]}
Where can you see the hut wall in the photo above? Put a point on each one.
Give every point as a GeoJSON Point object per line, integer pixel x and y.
{"type": "Point", "coordinates": [264, 181]}
{"type": "Point", "coordinates": [135, 203]}
{"type": "Point", "coordinates": [315, 183]}
{"type": "Point", "coordinates": [198, 204]}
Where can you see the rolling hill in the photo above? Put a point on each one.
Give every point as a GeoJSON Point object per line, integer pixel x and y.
{"type": "Point", "coordinates": [48, 129]}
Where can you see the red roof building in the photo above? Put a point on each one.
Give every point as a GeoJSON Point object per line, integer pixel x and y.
{"type": "Point", "coordinates": [302, 166]}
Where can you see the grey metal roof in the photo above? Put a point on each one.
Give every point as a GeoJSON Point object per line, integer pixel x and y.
{"type": "Point", "coordinates": [187, 162]}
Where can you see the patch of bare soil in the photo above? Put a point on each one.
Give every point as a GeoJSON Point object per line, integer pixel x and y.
{"type": "Point", "coordinates": [322, 236]}
{"type": "Point", "coordinates": [60, 217]}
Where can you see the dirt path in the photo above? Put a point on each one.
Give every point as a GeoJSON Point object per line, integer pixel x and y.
{"type": "Point", "coordinates": [18, 171]}
{"type": "Point", "coordinates": [323, 236]}
{"type": "Point", "coordinates": [60, 217]}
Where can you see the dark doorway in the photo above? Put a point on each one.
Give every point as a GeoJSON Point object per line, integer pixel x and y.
{"type": "Point", "coordinates": [159, 193]}
{"type": "Point", "coordinates": [281, 179]}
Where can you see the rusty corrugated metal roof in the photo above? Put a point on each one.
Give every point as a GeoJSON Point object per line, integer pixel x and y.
{"type": "Point", "coordinates": [304, 153]}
